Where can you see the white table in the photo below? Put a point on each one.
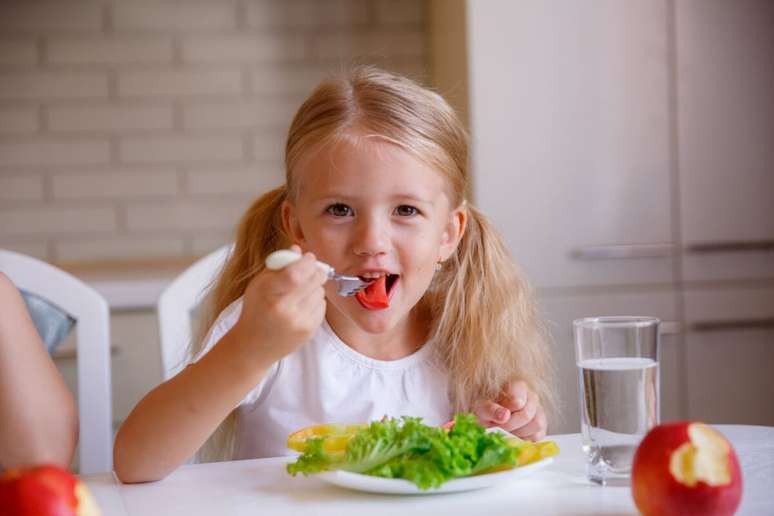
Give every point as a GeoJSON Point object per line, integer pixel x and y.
{"type": "Point", "coordinates": [258, 487]}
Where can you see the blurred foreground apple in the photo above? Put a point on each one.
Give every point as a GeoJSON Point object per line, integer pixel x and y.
{"type": "Point", "coordinates": [686, 468]}
{"type": "Point", "coordinates": [44, 491]}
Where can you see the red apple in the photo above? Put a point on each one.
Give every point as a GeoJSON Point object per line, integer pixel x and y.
{"type": "Point", "coordinates": [44, 491]}
{"type": "Point", "coordinates": [686, 468]}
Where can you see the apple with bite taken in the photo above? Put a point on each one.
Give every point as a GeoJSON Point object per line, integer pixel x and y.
{"type": "Point", "coordinates": [44, 491]}
{"type": "Point", "coordinates": [686, 468]}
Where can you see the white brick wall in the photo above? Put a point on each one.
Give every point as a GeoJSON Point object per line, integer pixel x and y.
{"type": "Point", "coordinates": [16, 120]}
{"type": "Point", "coordinates": [189, 215]}
{"type": "Point", "coordinates": [107, 51]}
{"type": "Point", "coordinates": [344, 14]}
{"type": "Point", "coordinates": [64, 152]}
{"type": "Point", "coordinates": [143, 129]}
{"type": "Point", "coordinates": [110, 117]}
{"type": "Point", "coordinates": [182, 149]}
{"type": "Point", "coordinates": [243, 48]}
{"type": "Point", "coordinates": [171, 83]}
{"type": "Point", "coordinates": [19, 52]}
{"type": "Point", "coordinates": [409, 43]}
{"type": "Point", "coordinates": [15, 187]}
{"type": "Point", "coordinates": [116, 185]}
{"type": "Point", "coordinates": [253, 180]}
{"type": "Point", "coordinates": [174, 16]}
{"type": "Point", "coordinates": [53, 85]}
{"type": "Point", "coordinates": [53, 219]}
{"type": "Point", "coordinates": [239, 114]}
{"type": "Point", "coordinates": [400, 12]}
{"type": "Point", "coordinates": [77, 249]}
{"type": "Point", "coordinates": [23, 16]}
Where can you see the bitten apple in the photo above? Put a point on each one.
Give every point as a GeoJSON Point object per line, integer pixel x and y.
{"type": "Point", "coordinates": [686, 468]}
{"type": "Point", "coordinates": [44, 491]}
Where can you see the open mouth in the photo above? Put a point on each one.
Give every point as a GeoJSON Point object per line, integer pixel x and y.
{"type": "Point", "coordinates": [377, 295]}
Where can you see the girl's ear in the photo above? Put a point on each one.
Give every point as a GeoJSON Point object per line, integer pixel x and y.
{"type": "Point", "coordinates": [452, 234]}
{"type": "Point", "coordinates": [290, 223]}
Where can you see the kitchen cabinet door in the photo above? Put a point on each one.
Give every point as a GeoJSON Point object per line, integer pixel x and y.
{"type": "Point", "coordinates": [725, 114]}
{"type": "Point", "coordinates": [135, 359]}
{"type": "Point", "coordinates": [560, 310]}
{"type": "Point", "coordinates": [730, 355]}
{"type": "Point", "coordinates": [570, 136]}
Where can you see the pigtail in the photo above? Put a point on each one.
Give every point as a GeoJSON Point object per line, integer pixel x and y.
{"type": "Point", "coordinates": [259, 233]}
{"type": "Point", "coordinates": [485, 320]}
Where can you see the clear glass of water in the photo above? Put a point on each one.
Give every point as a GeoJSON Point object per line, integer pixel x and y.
{"type": "Point", "coordinates": [617, 361]}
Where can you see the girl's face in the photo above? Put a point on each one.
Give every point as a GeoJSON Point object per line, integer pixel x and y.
{"type": "Point", "coordinates": [369, 209]}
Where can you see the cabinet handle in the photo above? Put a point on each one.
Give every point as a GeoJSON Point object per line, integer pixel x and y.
{"type": "Point", "coordinates": [614, 252]}
{"type": "Point", "coordinates": [730, 246]}
{"type": "Point", "coordinates": [764, 323]}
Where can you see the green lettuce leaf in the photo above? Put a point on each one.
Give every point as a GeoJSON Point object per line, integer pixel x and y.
{"type": "Point", "coordinates": [405, 448]}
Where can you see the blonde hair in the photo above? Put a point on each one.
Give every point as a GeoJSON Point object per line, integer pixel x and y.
{"type": "Point", "coordinates": [482, 311]}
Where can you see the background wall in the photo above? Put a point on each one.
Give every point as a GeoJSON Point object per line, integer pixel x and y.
{"type": "Point", "coordinates": [139, 131]}
{"type": "Point", "coordinates": [134, 134]}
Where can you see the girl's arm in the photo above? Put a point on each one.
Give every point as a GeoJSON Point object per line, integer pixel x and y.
{"type": "Point", "coordinates": [280, 311]}
{"type": "Point", "coordinates": [38, 417]}
{"type": "Point", "coordinates": [177, 417]}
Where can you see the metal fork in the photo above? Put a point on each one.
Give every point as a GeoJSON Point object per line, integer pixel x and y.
{"type": "Point", "coordinates": [345, 285]}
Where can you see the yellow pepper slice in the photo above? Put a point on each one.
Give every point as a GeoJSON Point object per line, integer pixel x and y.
{"type": "Point", "coordinates": [530, 452]}
{"type": "Point", "coordinates": [335, 436]}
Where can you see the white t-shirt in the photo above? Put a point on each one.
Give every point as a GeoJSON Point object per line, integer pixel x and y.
{"type": "Point", "coordinates": [326, 381]}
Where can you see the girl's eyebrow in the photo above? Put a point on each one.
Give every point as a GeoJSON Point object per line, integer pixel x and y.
{"type": "Point", "coordinates": [349, 198]}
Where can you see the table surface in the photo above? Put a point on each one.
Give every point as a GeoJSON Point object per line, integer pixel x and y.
{"type": "Point", "coordinates": [262, 486]}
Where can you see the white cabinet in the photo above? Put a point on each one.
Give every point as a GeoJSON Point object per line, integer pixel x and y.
{"type": "Point", "coordinates": [730, 354]}
{"type": "Point", "coordinates": [135, 359]}
{"type": "Point", "coordinates": [725, 114]}
{"type": "Point", "coordinates": [559, 312]}
{"type": "Point", "coordinates": [643, 130]}
{"type": "Point", "coordinates": [570, 136]}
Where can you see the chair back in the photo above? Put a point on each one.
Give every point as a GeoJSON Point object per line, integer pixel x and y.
{"type": "Point", "coordinates": [177, 308]}
{"type": "Point", "coordinates": [92, 316]}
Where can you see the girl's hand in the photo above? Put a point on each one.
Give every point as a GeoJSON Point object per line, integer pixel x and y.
{"type": "Point", "coordinates": [516, 410]}
{"type": "Point", "coordinates": [282, 309]}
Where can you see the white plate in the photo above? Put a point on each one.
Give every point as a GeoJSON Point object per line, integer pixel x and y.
{"type": "Point", "coordinates": [399, 486]}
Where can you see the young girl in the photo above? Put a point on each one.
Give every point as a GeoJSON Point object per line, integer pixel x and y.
{"type": "Point", "coordinates": [376, 177]}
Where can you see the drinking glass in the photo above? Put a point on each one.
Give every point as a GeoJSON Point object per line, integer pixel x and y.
{"type": "Point", "coordinates": [617, 360]}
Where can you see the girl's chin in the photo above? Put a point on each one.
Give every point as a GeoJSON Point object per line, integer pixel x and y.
{"type": "Point", "coordinates": [374, 321]}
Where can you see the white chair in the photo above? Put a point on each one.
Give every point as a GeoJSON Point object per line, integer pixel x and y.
{"type": "Point", "coordinates": [177, 305]}
{"type": "Point", "coordinates": [90, 310]}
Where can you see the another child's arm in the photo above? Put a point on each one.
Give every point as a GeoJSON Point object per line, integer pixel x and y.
{"type": "Point", "coordinates": [281, 310]}
{"type": "Point", "coordinates": [517, 410]}
{"type": "Point", "coordinates": [38, 417]}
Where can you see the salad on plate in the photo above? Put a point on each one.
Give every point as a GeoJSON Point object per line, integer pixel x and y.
{"type": "Point", "coordinates": [405, 448]}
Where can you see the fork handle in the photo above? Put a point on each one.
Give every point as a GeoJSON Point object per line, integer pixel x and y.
{"type": "Point", "coordinates": [280, 259]}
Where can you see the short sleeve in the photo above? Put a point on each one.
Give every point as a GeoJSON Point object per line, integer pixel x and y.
{"type": "Point", "coordinates": [52, 323]}
{"type": "Point", "coordinates": [225, 321]}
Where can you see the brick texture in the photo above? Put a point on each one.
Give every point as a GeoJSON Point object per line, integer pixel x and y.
{"type": "Point", "coordinates": [143, 128]}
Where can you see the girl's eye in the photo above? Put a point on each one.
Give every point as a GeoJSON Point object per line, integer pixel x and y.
{"type": "Point", "coordinates": [405, 210]}
{"type": "Point", "coordinates": [339, 210]}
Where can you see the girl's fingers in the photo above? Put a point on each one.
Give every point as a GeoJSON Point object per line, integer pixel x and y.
{"type": "Point", "coordinates": [536, 437]}
{"type": "Point", "coordinates": [293, 277]}
{"type": "Point", "coordinates": [311, 301]}
{"type": "Point", "coordinates": [536, 426]}
{"type": "Point", "coordinates": [522, 417]}
{"type": "Point", "coordinates": [514, 396]}
{"type": "Point", "coordinates": [490, 413]}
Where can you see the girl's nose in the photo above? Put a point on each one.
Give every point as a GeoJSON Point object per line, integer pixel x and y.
{"type": "Point", "coordinates": [372, 237]}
